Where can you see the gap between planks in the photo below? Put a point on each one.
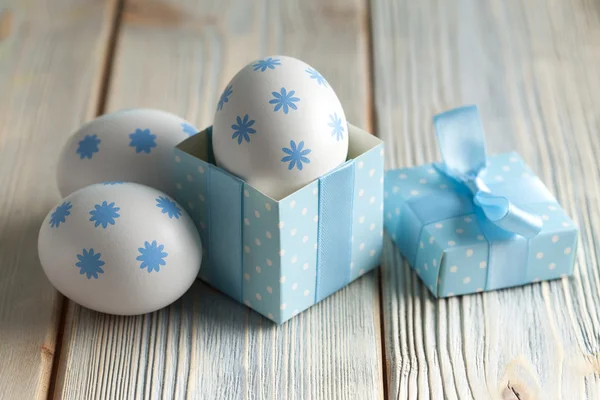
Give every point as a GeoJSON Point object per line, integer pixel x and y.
{"type": "Point", "coordinates": [116, 16]}
{"type": "Point", "coordinates": [373, 128]}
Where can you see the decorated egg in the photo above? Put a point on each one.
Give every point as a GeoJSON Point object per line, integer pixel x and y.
{"type": "Point", "coordinates": [120, 248]}
{"type": "Point", "coordinates": [134, 145]}
{"type": "Point", "coordinates": [279, 125]}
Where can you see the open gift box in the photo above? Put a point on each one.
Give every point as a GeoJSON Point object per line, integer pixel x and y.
{"type": "Point", "coordinates": [281, 257]}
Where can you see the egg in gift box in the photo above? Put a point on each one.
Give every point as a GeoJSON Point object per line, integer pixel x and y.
{"type": "Point", "coordinates": [279, 126]}
{"type": "Point", "coordinates": [275, 242]}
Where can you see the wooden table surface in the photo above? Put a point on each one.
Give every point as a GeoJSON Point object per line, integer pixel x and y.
{"type": "Point", "coordinates": [533, 67]}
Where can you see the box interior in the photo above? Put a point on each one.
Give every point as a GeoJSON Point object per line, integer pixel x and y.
{"type": "Point", "coordinates": [360, 142]}
{"type": "Point", "coordinates": [199, 146]}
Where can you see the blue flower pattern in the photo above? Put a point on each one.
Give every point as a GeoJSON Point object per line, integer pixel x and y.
{"type": "Point", "coordinates": [88, 146]}
{"type": "Point", "coordinates": [89, 264]}
{"type": "Point", "coordinates": [269, 63]}
{"type": "Point", "coordinates": [142, 140]}
{"type": "Point", "coordinates": [152, 256]}
{"type": "Point", "coordinates": [296, 155]}
{"type": "Point", "coordinates": [168, 206]}
{"type": "Point", "coordinates": [224, 97]}
{"type": "Point", "coordinates": [337, 129]}
{"type": "Point", "coordinates": [188, 128]}
{"type": "Point", "coordinates": [60, 214]}
{"type": "Point", "coordinates": [284, 100]}
{"type": "Point", "coordinates": [314, 74]}
{"type": "Point", "coordinates": [243, 130]}
{"type": "Point", "coordinates": [104, 214]}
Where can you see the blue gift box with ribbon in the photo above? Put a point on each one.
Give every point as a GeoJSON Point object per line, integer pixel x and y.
{"type": "Point", "coordinates": [475, 223]}
{"type": "Point", "coordinates": [281, 257]}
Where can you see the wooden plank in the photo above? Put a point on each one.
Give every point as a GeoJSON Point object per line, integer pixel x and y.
{"type": "Point", "coordinates": [51, 61]}
{"type": "Point", "coordinates": [532, 67]}
{"type": "Point", "coordinates": [178, 56]}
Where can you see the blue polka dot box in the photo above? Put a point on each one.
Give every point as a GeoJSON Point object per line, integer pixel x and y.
{"type": "Point", "coordinates": [281, 257]}
{"type": "Point", "coordinates": [473, 223]}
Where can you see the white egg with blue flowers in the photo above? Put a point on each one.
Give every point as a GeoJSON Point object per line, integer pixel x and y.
{"type": "Point", "coordinates": [133, 145]}
{"type": "Point", "coordinates": [120, 248]}
{"type": "Point", "coordinates": [279, 125]}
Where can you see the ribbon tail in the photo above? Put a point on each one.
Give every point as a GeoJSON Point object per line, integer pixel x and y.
{"type": "Point", "coordinates": [507, 216]}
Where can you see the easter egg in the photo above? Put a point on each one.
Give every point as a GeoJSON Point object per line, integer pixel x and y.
{"type": "Point", "coordinates": [279, 125]}
{"type": "Point", "coordinates": [134, 145]}
{"type": "Point", "coordinates": [120, 248]}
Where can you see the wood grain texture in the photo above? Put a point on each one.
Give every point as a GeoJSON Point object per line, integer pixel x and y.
{"type": "Point", "coordinates": [532, 67]}
{"type": "Point", "coordinates": [51, 56]}
{"type": "Point", "coordinates": [178, 56]}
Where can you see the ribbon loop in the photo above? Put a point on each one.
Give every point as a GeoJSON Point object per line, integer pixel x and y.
{"type": "Point", "coordinates": [461, 139]}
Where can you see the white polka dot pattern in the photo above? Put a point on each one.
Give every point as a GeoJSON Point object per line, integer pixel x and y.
{"type": "Point", "coordinates": [555, 244]}
{"type": "Point", "coordinates": [263, 263]}
{"type": "Point", "coordinates": [299, 252]}
{"type": "Point", "coordinates": [368, 218]}
{"type": "Point", "coordinates": [452, 255]}
{"type": "Point", "coordinates": [458, 261]}
{"type": "Point", "coordinates": [193, 194]}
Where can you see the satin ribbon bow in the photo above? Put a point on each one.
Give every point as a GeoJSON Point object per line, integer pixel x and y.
{"type": "Point", "coordinates": [461, 140]}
